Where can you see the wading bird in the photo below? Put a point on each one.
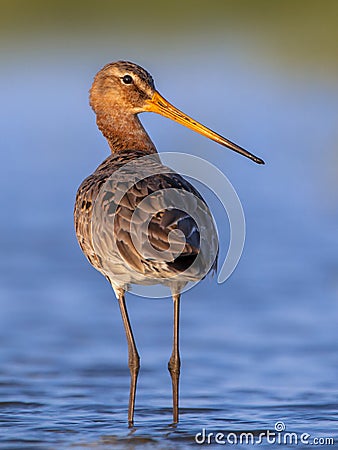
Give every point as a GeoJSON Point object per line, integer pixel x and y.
{"type": "Point", "coordinates": [120, 91]}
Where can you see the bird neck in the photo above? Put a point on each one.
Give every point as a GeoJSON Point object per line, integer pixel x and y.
{"type": "Point", "coordinates": [126, 134]}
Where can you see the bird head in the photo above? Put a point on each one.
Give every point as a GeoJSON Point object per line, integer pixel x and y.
{"type": "Point", "coordinates": [123, 87]}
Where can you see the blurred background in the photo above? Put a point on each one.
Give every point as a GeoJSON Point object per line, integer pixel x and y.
{"type": "Point", "coordinates": [260, 348]}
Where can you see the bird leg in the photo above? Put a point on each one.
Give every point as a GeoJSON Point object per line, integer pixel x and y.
{"type": "Point", "coordinates": [175, 362]}
{"type": "Point", "coordinates": [133, 357]}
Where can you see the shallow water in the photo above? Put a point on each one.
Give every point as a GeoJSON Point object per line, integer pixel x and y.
{"type": "Point", "coordinates": [259, 349]}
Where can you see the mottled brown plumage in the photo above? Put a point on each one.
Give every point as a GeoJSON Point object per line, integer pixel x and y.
{"type": "Point", "coordinates": [127, 265]}
{"type": "Point", "coordinates": [113, 204]}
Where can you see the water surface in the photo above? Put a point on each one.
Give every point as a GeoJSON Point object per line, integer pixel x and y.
{"type": "Point", "coordinates": [259, 349]}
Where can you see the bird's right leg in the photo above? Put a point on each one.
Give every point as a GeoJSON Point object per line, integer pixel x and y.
{"type": "Point", "coordinates": [174, 364]}
{"type": "Point", "coordinates": [133, 356]}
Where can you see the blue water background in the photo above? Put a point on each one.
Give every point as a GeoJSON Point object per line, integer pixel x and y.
{"type": "Point", "coordinates": [258, 349]}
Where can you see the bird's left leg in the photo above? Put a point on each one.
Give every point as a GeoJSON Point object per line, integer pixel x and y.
{"type": "Point", "coordinates": [175, 362]}
{"type": "Point", "coordinates": [133, 356]}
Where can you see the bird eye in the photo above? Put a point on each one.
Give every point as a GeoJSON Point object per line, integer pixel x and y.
{"type": "Point", "coordinates": [127, 79]}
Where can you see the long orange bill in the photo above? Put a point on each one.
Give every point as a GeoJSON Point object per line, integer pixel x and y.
{"type": "Point", "coordinates": [160, 105]}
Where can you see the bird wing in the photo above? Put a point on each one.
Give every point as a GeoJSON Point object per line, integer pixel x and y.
{"type": "Point", "coordinates": [141, 246]}
{"type": "Point", "coordinates": [134, 224]}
